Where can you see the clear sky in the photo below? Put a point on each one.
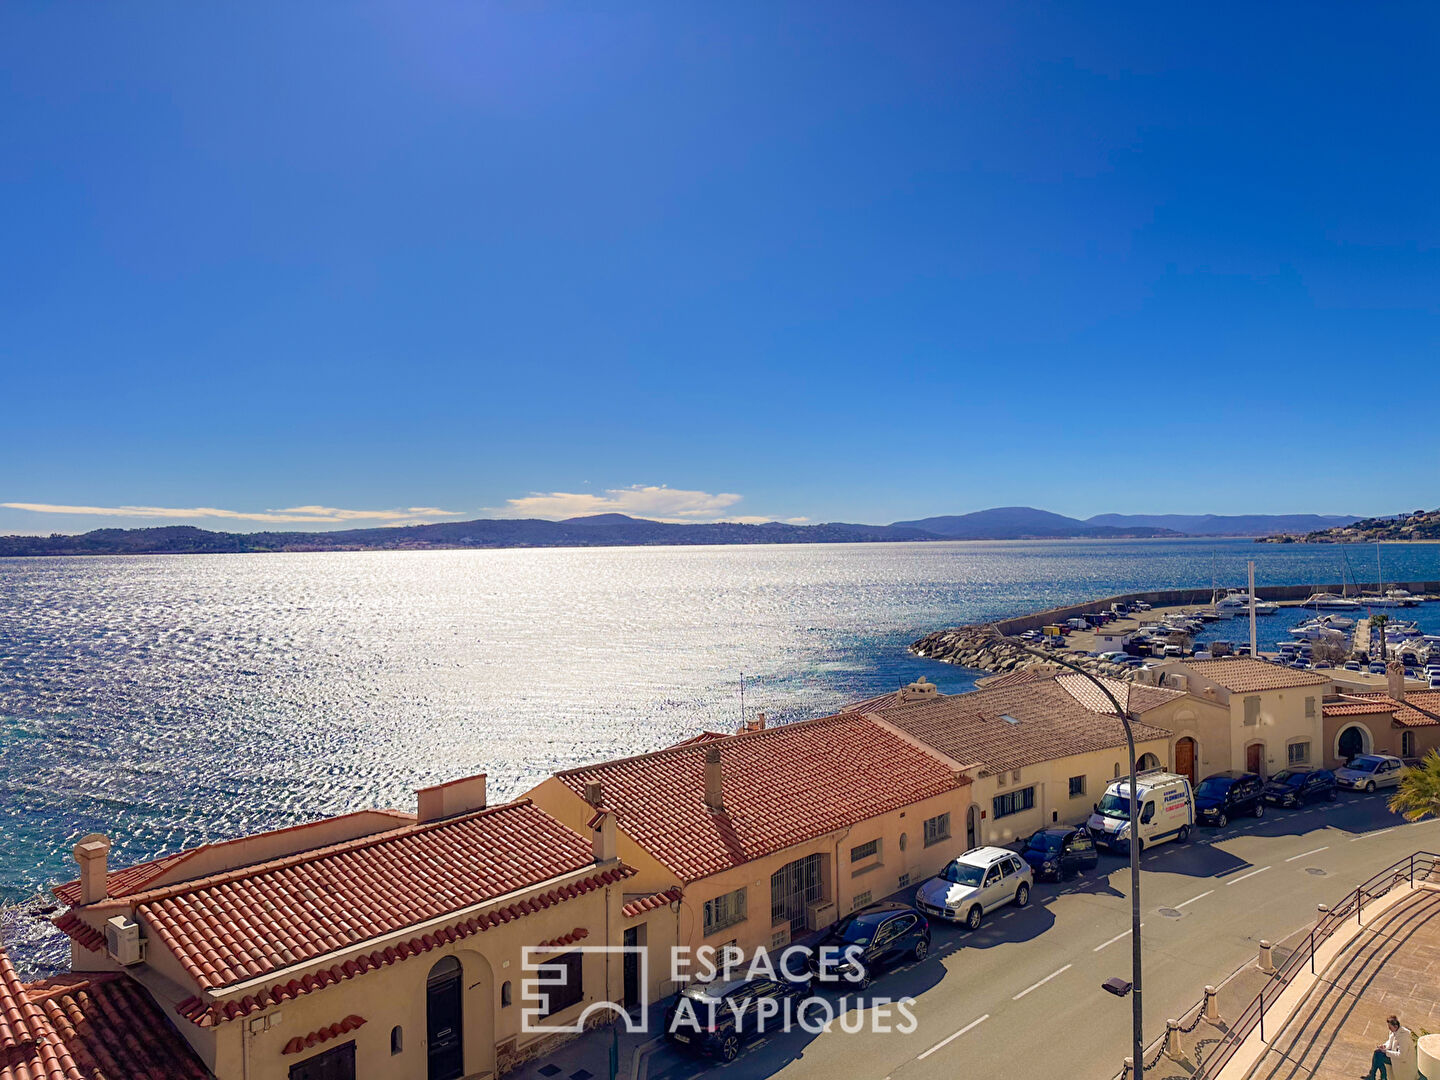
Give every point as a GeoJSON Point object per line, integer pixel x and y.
{"type": "Point", "coordinates": [831, 261]}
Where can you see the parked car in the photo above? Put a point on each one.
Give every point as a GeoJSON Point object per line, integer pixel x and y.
{"type": "Point", "coordinates": [1167, 810]}
{"type": "Point", "coordinates": [863, 944]}
{"type": "Point", "coordinates": [726, 1014]}
{"type": "Point", "coordinates": [1228, 795]}
{"type": "Point", "coordinates": [1060, 850]}
{"type": "Point", "coordinates": [1292, 787]}
{"type": "Point", "coordinates": [1352, 665]}
{"type": "Point", "coordinates": [978, 882]}
{"type": "Point", "coordinates": [1377, 669]}
{"type": "Point", "coordinates": [1369, 772]}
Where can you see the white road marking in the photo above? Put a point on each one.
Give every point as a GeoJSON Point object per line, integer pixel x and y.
{"type": "Point", "coordinates": [1367, 836]}
{"type": "Point", "coordinates": [1112, 941]}
{"type": "Point", "coordinates": [1194, 898]}
{"type": "Point", "coordinates": [1042, 982]}
{"type": "Point", "coordinates": [1307, 853]}
{"type": "Point", "coordinates": [947, 1041]}
{"type": "Point", "coordinates": [1242, 877]}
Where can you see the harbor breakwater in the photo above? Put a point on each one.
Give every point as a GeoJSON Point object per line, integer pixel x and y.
{"type": "Point", "coordinates": [976, 646]}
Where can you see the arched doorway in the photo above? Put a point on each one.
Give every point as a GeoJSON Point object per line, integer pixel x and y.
{"type": "Point", "coordinates": [1185, 758]}
{"type": "Point", "coordinates": [1147, 761]}
{"type": "Point", "coordinates": [972, 827]}
{"type": "Point", "coordinates": [444, 1021]}
{"type": "Point", "coordinates": [1255, 758]}
{"type": "Point", "coordinates": [1353, 741]}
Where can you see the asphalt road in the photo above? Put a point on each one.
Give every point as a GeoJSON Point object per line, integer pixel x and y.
{"type": "Point", "coordinates": [1022, 996]}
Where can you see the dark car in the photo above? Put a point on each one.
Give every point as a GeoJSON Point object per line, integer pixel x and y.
{"type": "Point", "coordinates": [1228, 795]}
{"type": "Point", "coordinates": [1292, 787]}
{"type": "Point", "coordinates": [716, 1018]}
{"type": "Point", "coordinates": [859, 946]}
{"type": "Point", "coordinates": [1060, 850]}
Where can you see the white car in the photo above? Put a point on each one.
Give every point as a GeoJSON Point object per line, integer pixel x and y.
{"type": "Point", "coordinates": [1369, 772]}
{"type": "Point", "coordinates": [979, 881]}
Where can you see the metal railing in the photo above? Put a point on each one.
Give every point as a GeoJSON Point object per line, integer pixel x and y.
{"type": "Point", "coordinates": [1420, 865]}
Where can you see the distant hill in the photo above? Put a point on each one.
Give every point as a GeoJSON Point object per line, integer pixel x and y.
{"type": "Point", "coordinates": [1226, 524]}
{"type": "Point", "coordinates": [1416, 525]}
{"type": "Point", "coordinates": [1026, 523]}
{"type": "Point", "coordinates": [602, 530]}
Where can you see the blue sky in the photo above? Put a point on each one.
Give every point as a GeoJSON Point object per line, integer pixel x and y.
{"type": "Point", "coordinates": [860, 262]}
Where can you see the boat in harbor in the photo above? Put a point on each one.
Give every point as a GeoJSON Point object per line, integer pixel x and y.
{"type": "Point", "coordinates": [1316, 630]}
{"type": "Point", "coordinates": [1238, 602]}
{"type": "Point", "coordinates": [1327, 601]}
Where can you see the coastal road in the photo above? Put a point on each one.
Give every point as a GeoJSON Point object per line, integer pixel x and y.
{"type": "Point", "coordinates": [1023, 993]}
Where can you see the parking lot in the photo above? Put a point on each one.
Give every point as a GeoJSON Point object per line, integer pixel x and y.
{"type": "Point", "coordinates": [1024, 990]}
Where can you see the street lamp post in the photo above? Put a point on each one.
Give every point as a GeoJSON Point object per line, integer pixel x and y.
{"type": "Point", "coordinates": [1137, 1017]}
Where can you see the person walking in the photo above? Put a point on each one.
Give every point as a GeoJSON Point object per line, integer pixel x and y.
{"type": "Point", "coordinates": [1386, 1053]}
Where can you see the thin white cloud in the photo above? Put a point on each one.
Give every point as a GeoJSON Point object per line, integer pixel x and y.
{"type": "Point", "coordinates": [656, 502]}
{"type": "Point", "coordinates": [317, 515]}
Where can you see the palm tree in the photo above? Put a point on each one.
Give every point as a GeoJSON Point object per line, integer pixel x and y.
{"type": "Point", "coordinates": [1377, 624]}
{"type": "Point", "coordinates": [1419, 792]}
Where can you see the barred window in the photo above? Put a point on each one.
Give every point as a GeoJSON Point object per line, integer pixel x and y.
{"type": "Point", "coordinates": [1298, 753]}
{"type": "Point", "coordinates": [937, 829]}
{"type": "Point", "coordinates": [724, 911]}
{"type": "Point", "coordinates": [1014, 802]}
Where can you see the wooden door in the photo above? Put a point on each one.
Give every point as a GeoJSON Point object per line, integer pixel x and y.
{"type": "Point", "coordinates": [1185, 758]}
{"type": "Point", "coordinates": [1255, 758]}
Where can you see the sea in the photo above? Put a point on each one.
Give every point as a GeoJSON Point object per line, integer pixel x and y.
{"type": "Point", "coordinates": [172, 700]}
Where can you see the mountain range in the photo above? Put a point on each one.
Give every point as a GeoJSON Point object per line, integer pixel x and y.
{"type": "Point", "coordinates": [619, 530]}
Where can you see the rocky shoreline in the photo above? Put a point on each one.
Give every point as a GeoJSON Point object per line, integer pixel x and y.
{"type": "Point", "coordinates": [977, 647]}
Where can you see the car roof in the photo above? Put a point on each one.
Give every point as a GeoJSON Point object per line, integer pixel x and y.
{"type": "Point", "coordinates": [984, 856]}
{"type": "Point", "coordinates": [882, 910]}
{"type": "Point", "coordinates": [1232, 774]}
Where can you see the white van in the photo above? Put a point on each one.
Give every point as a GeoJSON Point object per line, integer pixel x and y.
{"type": "Point", "coordinates": [1167, 811]}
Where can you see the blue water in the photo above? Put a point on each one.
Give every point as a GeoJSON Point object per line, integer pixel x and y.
{"type": "Point", "coordinates": [172, 700]}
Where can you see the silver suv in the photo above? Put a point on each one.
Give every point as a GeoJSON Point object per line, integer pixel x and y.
{"type": "Point", "coordinates": [979, 881]}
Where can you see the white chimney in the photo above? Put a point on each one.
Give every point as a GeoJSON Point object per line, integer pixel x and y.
{"type": "Point", "coordinates": [92, 853]}
{"type": "Point", "coordinates": [714, 786]}
{"type": "Point", "coordinates": [1395, 677]}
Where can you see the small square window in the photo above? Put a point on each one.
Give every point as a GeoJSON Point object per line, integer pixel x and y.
{"type": "Point", "coordinates": [1077, 786]}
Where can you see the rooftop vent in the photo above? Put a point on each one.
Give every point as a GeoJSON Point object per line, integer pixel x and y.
{"type": "Point", "coordinates": [1008, 718]}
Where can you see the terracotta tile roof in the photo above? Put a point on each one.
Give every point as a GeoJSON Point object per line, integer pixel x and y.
{"type": "Point", "coordinates": [1019, 677]}
{"type": "Point", "coordinates": [245, 923]}
{"type": "Point", "coordinates": [79, 931]}
{"type": "Point", "coordinates": [210, 1013]}
{"type": "Point", "coordinates": [883, 701]}
{"type": "Point", "coordinates": [300, 1043]}
{"type": "Point", "coordinates": [703, 737]}
{"type": "Point", "coordinates": [642, 904]}
{"type": "Point", "coordinates": [141, 876]}
{"type": "Point", "coordinates": [782, 786]}
{"type": "Point", "coordinates": [565, 940]}
{"type": "Point", "coordinates": [1359, 708]}
{"type": "Point", "coordinates": [1244, 674]}
{"type": "Point", "coordinates": [88, 1027]}
{"type": "Point", "coordinates": [1052, 725]}
{"type": "Point", "coordinates": [1133, 697]}
{"type": "Point", "coordinates": [1421, 708]}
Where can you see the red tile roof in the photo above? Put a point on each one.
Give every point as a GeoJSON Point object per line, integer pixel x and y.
{"type": "Point", "coordinates": [1245, 674]}
{"type": "Point", "coordinates": [642, 904]}
{"type": "Point", "coordinates": [246, 923]}
{"type": "Point", "coordinates": [972, 728]}
{"type": "Point", "coordinates": [1020, 676]}
{"type": "Point", "coordinates": [300, 1043]}
{"type": "Point", "coordinates": [209, 1013]}
{"type": "Point", "coordinates": [1133, 697]}
{"type": "Point", "coordinates": [564, 940]}
{"type": "Point", "coordinates": [1359, 708]}
{"type": "Point", "coordinates": [703, 737]}
{"type": "Point", "coordinates": [782, 786]}
{"type": "Point", "coordinates": [141, 876]}
{"type": "Point", "coordinates": [88, 1027]}
{"type": "Point", "coordinates": [1421, 708]}
{"type": "Point", "coordinates": [79, 931]}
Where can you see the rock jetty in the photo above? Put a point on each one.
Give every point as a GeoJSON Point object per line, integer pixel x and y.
{"type": "Point", "coordinates": [977, 647]}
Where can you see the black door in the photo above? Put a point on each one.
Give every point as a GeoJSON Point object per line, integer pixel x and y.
{"type": "Point", "coordinates": [336, 1064]}
{"type": "Point", "coordinates": [444, 1035]}
{"type": "Point", "coordinates": [632, 968]}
